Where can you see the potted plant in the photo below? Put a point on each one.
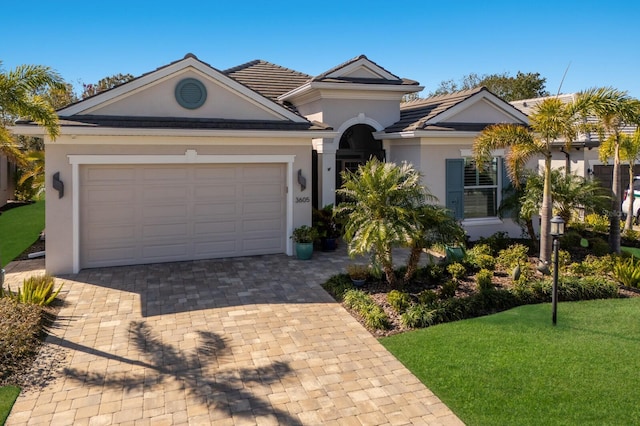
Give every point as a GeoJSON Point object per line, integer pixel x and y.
{"type": "Point", "coordinates": [358, 274]}
{"type": "Point", "coordinates": [304, 236]}
{"type": "Point", "coordinates": [328, 228]}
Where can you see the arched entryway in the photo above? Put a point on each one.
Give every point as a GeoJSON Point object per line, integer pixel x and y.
{"type": "Point", "coordinates": [357, 146]}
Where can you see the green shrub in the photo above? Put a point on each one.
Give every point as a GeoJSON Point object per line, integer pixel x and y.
{"type": "Point", "coordinates": [631, 235]}
{"type": "Point", "coordinates": [483, 280]}
{"type": "Point", "coordinates": [593, 265]}
{"type": "Point", "coordinates": [457, 270]}
{"type": "Point", "coordinates": [498, 241]}
{"type": "Point", "coordinates": [418, 316]}
{"type": "Point", "coordinates": [337, 285]}
{"type": "Point", "coordinates": [627, 271]}
{"type": "Point", "coordinates": [597, 222]}
{"type": "Point", "coordinates": [481, 257]}
{"type": "Point", "coordinates": [36, 290]}
{"type": "Point", "coordinates": [570, 239]}
{"type": "Point", "coordinates": [564, 259]}
{"type": "Point", "coordinates": [448, 289]}
{"type": "Point", "coordinates": [570, 288]}
{"type": "Point", "coordinates": [599, 247]}
{"type": "Point", "coordinates": [512, 256]}
{"type": "Point", "coordinates": [398, 300]}
{"type": "Point", "coordinates": [427, 297]}
{"type": "Point", "coordinates": [363, 304]}
{"type": "Point", "coordinates": [431, 273]}
{"type": "Point", "coordinates": [20, 327]}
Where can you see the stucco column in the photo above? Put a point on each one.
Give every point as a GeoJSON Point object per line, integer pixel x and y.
{"type": "Point", "coordinates": [326, 171]}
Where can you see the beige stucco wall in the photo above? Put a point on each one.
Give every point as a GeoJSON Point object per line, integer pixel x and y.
{"type": "Point", "coordinates": [59, 212]}
{"type": "Point", "coordinates": [158, 100]}
{"type": "Point", "coordinates": [428, 156]}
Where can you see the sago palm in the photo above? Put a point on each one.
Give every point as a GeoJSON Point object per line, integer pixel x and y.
{"type": "Point", "coordinates": [551, 120]}
{"type": "Point", "coordinates": [614, 110]}
{"type": "Point", "coordinates": [380, 210]}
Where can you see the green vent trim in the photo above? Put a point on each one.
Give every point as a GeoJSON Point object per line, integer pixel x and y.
{"type": "Point", "coordinates": [191, 93]}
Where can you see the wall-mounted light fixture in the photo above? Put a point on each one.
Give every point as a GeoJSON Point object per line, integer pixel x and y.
{"type": "Point", "coordinates": [302, 180]}
{"type": "Point", "coordinates": [58, 185]}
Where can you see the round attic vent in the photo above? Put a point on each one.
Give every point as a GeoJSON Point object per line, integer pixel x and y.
{"type": "Point", "coordinates": [190, 93]}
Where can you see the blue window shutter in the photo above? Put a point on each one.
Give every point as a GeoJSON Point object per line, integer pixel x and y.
{"type": "Point", "coordinates": [507, 190]}
{"type": "Point", "coordinates": [455, 187]}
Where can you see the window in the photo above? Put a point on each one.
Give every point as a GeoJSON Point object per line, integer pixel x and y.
{"type": "Point", "coordinates": [480, 189]}
{"type": "Point", "coordinates": [473, 193]}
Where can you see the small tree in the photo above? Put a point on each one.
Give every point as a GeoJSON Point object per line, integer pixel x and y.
{"type": "Point", "coordinates": [380, 210]}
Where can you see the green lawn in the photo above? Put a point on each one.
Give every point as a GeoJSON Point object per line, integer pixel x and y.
{"type": "Point", "coordinates": [515, 368]}
{"type": "Point", "coordinates": [19, 228]}
{"type": "Point", "coordinates": [8, 395]}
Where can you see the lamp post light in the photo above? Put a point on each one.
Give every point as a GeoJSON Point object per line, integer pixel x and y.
{"type": "Point", "coordinates": [557, 230]}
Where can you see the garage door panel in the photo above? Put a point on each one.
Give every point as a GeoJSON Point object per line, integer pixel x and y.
{"type": "Point", "coordinates": [262, 190]}
{"type": "Point", "coordinates": [270, 226]}
{"type": "Point", "coordinates": [164, 174]}
{"type": "Point", "coordinates": [163, 194]}
{"type": "Point", "coordinates": [218, 173]}
{"type": "Point", "coordinates": [104, 195]}
{"type": "Point", "coordinates": [178, 230]}
{"type": "Point", "coordinates": [217, 209]}
{"type": "Point", "coordinates": [118, 232]}
{"type": "Point", "coordinates": [165, 251]}
{"type": "Point", "coordinates": [169, 210]}
{"type": "Point", "coordinates": [221, 227]}
{"type": "Point", "coordinates": [109, 175]}
{"type": "Point", "coordinates": [113, 214]}
{"type": "Point", "coordinates": [215, 192]}
{"type": "Point", "coordinates": [262, 208]}
{"type": "Point", "coordinates": [165, 213]}
{"type": "Point", "coordinates": [259, 245]}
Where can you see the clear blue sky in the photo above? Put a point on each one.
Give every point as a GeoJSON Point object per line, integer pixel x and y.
{"type": "Point", "coordinates": [429, 41]}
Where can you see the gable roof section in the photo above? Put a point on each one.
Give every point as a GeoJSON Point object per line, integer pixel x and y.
{"type": "Point", "coordinates": [357, 74]}
{"type": "Point", "coordinates": [362, 70]}
{"type": "Point", "coordinates": [92, 105]}
{"type": "Point", "coordinates": [270, 80]}
{"type": "Point", "coordinates": [439, 112]}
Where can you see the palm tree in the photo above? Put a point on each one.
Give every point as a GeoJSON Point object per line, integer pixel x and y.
{"type": "Point", "coordinates": [551, 120]}
{"type": "Point", "coordinates": [630, 152]}
{"type": "Point", "coordinates": [19, 98]}
{"type": "Point", "coordinates": [614, 110]}
{"type": "Point", "coordinates": [380, 210]}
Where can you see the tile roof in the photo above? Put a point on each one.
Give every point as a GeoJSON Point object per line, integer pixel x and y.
{"type": "Point", "coordinates": [182, 123]}
{"type": "Point", "coordinates": [324, 76]}
{"type": "Point", "coordinates": [414, 114]}
{"type": "Point", "coordinates": [270, 80]}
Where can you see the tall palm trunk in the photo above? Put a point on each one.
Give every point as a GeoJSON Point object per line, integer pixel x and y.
{"type": "Point", "coordinates": [628, 224]}
{"type": "Point", "coordinates": [616, 200]}
{"type": "Point", "coordinates": [545, 214]}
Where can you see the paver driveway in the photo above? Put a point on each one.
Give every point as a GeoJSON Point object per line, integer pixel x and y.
{"type": "Point", "coordinates": [237, 341]}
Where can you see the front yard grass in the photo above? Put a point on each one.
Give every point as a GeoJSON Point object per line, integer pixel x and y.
{"type": "Point", "coordinates": [19, 228]}
{"type": "Point", "coordinates": [515, 368]}
{"type": "Point", "coordinates": [8, 395]}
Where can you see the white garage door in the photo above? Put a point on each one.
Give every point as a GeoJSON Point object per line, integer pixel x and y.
{"type": "Point", "coordinates": [132, 214]}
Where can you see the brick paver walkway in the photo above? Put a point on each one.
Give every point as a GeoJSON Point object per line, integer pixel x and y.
{"type": "Point", "coordinates": [252, 341]}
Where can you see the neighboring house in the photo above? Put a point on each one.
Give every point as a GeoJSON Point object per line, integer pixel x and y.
{"type": "Point", "coordinates": [583, 158]}
{"type": "Point", "coordinates": [7, 180]}
{"type": "Point", "coordinates": [189, 162]}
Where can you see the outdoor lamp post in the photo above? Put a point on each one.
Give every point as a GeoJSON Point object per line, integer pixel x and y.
{"type": "Point", "coordinates": [557, 230]}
